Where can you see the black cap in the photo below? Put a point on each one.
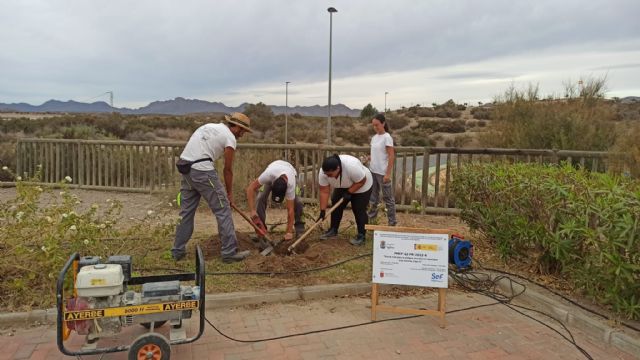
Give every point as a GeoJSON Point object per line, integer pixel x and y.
{"type": "Point", "coordinates": [279, 189]}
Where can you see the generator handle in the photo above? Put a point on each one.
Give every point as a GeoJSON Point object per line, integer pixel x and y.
{"type": "Point", "coordinates": [60, 300]}
{"type": "Point", "coordinates": [200, 281]}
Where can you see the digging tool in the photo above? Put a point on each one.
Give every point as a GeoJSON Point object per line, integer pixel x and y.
{"type": "Point", "coordinates": [260, 230]}
{"type": "Point", "coordinates": [306, 233]}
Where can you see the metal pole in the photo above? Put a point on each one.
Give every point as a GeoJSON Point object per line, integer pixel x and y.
{"type": "Point", "coordinates": [286, 112]}
{"type": "Point", "coordinates": [331, 11]}
{"type": "Point", "coordinates": [385, 102]}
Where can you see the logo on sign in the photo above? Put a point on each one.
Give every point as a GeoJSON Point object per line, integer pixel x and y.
{"type": "Point", "coordinates": [437, 277]}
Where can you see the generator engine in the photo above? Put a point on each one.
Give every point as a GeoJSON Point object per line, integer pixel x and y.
{"type": "Point", "coordinates": [104, 287]}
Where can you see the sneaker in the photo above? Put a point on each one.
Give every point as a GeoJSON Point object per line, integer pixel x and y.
{"type": "Point", "coordinates": [178, 256]}
{"type": "Point", "coordinates": [358, 240]}
{"type": "Point", "coordinates": [239, 256]}
{"type": "Point", "coordinates": [329, 234]}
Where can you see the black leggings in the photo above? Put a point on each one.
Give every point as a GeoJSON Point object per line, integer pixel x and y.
{"type": "Point", "coordinates": [359, 204]}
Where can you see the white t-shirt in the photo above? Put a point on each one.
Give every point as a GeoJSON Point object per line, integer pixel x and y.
{"type": "Point", "coordinates": [379, 155]}
{"type": "Point", "coordinates": [209, 140]}
{"type": "Point", "coordinates": [277, 169]}
{"type": "Point", "coordinates": [352, 172]}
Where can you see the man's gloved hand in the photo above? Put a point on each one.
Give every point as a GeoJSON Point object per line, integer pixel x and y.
{"type": "Point", "coordinates": [346, 196]}
{"type": "Point", "coordinates": [321, 217]}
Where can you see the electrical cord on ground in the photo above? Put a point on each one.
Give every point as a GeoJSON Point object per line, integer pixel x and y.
{"type": "Point", "coordinates": [467, 280]}
{"type": "Point", "coordinates": [472, 282]}
{"type": "Point", "coordinates": [270, 273]}
{"type": "Point", "coordinates": [557, 294]}
{"type": "Point", "coordinates": [335, 328]}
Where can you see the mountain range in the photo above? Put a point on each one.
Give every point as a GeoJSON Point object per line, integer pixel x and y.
{"type": "Point", "coordinates": [177, 106]}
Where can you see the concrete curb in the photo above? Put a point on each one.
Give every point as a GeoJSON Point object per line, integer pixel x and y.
{"type": "Point", "coordinates": [213, 301]}
{"type": "Point", "coordinates": [593, 326]}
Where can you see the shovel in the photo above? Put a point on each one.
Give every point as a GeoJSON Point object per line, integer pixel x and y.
{"type": "Point", "coordinates": [320, 221]}
{"type": "Point", "coordinates": [262, 232]}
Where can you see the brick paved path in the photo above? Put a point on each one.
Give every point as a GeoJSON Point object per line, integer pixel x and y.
{"type": "Point", "coordinates": [492, 332]}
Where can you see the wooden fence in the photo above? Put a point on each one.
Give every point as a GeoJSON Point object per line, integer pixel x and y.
{"type": "Point", "coordinates": [422, 177]}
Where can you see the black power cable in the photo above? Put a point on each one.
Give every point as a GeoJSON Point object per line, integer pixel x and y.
{"type": "Point", "coordinates": [557, 294]}
{"type": "Point", "coordinates": [466, 283]}
{"type": "Point", "coordinates": [336, 328]}
{"type": "Point", "coordinates": [486, 287]}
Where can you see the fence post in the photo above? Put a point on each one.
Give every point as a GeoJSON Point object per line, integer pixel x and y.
{"type": "Point", "coordinates": [425, 180]}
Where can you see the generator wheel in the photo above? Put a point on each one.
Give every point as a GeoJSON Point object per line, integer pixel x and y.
{"type": "Point", "coordinates": [150, 346]}
{"type": "Point", "coordinates": [157, 324]}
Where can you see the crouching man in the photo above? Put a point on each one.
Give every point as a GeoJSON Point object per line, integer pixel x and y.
{"type": "Point", "coordinates": [279, 180]}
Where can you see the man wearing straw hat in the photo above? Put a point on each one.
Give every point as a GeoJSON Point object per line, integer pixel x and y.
{"type": "Point", "coordinates": [200, 179]}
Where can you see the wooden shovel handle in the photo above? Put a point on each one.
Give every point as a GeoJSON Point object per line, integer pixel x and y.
{"type": "Point", "coordinates": [320, 221]}
{"type": "Point", "coordinates": [260, 231]}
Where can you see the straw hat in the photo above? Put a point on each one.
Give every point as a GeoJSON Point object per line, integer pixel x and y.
{"type": "Point", "coordinates": [239, 119]}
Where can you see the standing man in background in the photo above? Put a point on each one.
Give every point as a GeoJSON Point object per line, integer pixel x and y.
{"type": "Point", "coordinates": [208, 143]}
{"type": "Point", "coordinates": [383, 156]}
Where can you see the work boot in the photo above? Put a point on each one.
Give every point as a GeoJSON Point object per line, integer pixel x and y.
{"type": "Point", "coordinates": [329, 234]}
{"type": "Point", "coordinates": [177, 256]}
{"type": "Point", "coordinates": [358, 240]}
{"type": "Point", "coordinates": [238, 256]}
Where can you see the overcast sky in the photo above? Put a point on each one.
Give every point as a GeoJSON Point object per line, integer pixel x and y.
{"type": "Point", "coordinates": [236, 51]}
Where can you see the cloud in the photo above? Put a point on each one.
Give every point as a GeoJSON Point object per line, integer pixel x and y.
{"type": "Point", "coordinates": [158, 49]}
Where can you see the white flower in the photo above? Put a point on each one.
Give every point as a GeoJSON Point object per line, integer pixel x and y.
{"type": "Point", "coordinates": [68, 178]}
{"type": "Point", "coordinates": [19, 215]}
{"type": "Point", "coordinates": [86, 241]}
{"type": "Point", "coordinates": [49, 219]}
{"type": "Point", "coordinates": [65, 215]}
{"type": "Point", "coordinates": [73, 228]}
{"type": "Point", "coordinates": [150, 212]}
{"type": "Point", "coordinates": [19, 178]}
{"type": "Point", "coordinates": [62, 193]}
{"type": "Point", "coordinates": [39, 188]}
{"type": "Point", "coordinates": [5, 168]}
{"type": "Point", "coordinates": [43, 248]}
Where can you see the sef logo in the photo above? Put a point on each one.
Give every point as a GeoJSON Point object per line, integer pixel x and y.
{"type": "Point", "coordinates": [436, 277]}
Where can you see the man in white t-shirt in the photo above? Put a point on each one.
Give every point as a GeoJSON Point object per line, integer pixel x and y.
{"type": "Point", "coordinates": [208, 143]}
{"type": "Point", "coordinates": [381, 166]}
{"type": "Point", "coordinates": [279, 180]}
{"type": "Point", "coordinates": [350, 181]}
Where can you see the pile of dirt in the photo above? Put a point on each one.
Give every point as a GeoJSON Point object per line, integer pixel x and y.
{"type": "Point", "coordinates": [310, 253]}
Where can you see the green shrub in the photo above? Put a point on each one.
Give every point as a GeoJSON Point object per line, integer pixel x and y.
{"type": "Point", "coordinates": [38, 237]}
{"type": "Point", "coordinates": [581, 121]}
{"type": "Point", "coordinates": [562, 220]}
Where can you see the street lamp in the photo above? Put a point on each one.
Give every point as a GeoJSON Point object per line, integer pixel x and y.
{"type": "Point", "coordinates": [286, 111]}
{"type": "Point", "coordinates": [385, 101]}
{"type": "Point", "coordinates": [331, 10]}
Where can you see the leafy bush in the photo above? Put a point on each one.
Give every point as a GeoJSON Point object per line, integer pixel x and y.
{"type": "Point", "coordinates": [38, 237]}
{"type": "Point", "coordinates": [579, 122]}
{"type": "Point", "coordinates": [368, 112]}
{"type": "Point", "coordinates": [398, 122]}
{"type": "Point", "coordinates": [562, 220]}
{"type": "Point", "coordinates": [482, 113]}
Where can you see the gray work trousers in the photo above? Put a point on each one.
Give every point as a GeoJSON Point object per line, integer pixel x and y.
{"type": "Point", "coordinates": [387, 196]}
{"type": "Point", "coordinates": [261, 209]}
{"type": "Point", "coordinates": [205, 184]}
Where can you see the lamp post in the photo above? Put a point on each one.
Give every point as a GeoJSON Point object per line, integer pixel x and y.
{"type": "Point", "coordinates": [286, 111]}
{"type": "Point", "coordinates": [331, 10]}
{"type": "Point", "coordinates": [385, 102]}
